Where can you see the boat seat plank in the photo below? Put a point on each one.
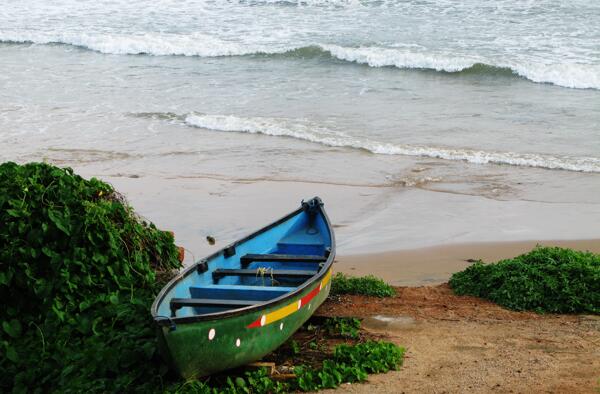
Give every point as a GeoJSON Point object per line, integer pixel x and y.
{"type": "Point", "coordinates": [282, 258]}
{"type": "Point", "coordinates": [239, 292]}
{"type": "Point", "coordinates": [177, 303]}
{"type": "Point", "coordinates": [274, 273]}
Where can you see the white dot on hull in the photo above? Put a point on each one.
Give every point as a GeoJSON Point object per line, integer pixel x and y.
{"type": "Point", "coordinates": [281, 326]}
{"type": "Point", "coordinates": [211, 334]}
{"type": "Point", "coordinates": [238, 342]}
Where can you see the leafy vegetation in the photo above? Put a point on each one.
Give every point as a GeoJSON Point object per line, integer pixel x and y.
{"type": "Point", "coordinates": [347, 327]}
{"type": "Point", "coordinates": [256, 382]}
{"type": "Point", "coordinates": [547, 279]}
{"type": "Point", "coordinates": [295, 346]}
{"type": "Point", "coordinates": [365, 285]}
{"type": "Point", "coordinates": [350, 363]}
{"type": "Point", "coordinates": [77, 276]}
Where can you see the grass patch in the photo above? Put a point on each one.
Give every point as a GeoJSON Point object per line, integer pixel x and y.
{"type": "Point", "coordinates": [365, 285]}
{"type": "Point", "coordinates": [547, 279]}
{"type": "Point", "coordinates": [78, 273]}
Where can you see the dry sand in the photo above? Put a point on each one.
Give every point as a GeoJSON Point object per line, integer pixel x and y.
{"type": "Point", "coordinates": [467, 345]}
{"type": "Point", "coordinates": [434, 265]}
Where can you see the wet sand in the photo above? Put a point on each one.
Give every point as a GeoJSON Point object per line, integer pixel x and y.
{"type": "Point", "coordinates": [433, 265]}
{"type": "Point", "coordinates": [465, 344]}
{"type": "Point", "coordinates": [366, 219]}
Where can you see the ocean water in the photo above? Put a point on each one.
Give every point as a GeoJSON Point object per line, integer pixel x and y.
{"type": "Point", "coordinates": [489, 98]}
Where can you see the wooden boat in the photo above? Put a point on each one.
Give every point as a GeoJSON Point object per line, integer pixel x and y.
{"type": "Point", "coordinates": [239, 304]}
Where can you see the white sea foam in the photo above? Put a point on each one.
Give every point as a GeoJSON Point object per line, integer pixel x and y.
{"type": "Point", "coordinates": [406, 56]}
{"type": "Point", "coordinates": [571, 75]}
{"type": "Point", "coordinates": [382, 57]}
{"type": "Point", "coordinates": [157, 44]}
{"type": "Point", "coordinates": [578, 76]}
{"type": "Point", "coordinates": [305, 131]}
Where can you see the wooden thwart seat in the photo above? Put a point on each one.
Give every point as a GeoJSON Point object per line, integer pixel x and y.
{"type": "Point", "coordinates": [274, 273]}
{"type": "Point", "coordinates": [282, 258]}
{"type": "Point", "coordinates": [177, 303]}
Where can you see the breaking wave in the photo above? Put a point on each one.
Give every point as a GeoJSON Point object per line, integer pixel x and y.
{"type": "Point", "coordinates": [574, 75]}
{"type": "Point", "coordinates": [571, 75]}
{"type": "Point", "coordinates": [308, 132]}
{"type": "Point", "coordinates": [195, 44]}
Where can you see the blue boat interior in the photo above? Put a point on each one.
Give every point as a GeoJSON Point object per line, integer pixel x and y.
{"type": "Point", "coordinates": [265, 266]}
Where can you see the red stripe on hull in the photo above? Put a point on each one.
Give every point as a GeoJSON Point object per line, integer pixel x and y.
{"type": "Point", "coordinates": [255, 323]}
{"type": "Point", "coordinates": [306, 299]}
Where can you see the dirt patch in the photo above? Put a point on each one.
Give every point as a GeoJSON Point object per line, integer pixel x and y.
{"type": "Point", "coordinates": [465, 344]}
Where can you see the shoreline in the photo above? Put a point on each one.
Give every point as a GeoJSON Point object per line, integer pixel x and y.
{"type": "Point", "coordinates": [366, 219]}
{"type": "Point", "coordinates": [435, 264]}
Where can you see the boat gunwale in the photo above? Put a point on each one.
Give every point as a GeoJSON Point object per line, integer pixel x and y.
{"type": "Point", "coordinates": [167, 321]}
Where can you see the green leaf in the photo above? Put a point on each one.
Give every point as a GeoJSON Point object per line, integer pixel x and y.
{"type": "Point", "coordinates": [12, 354]}
{"type": "Point", "coordinates": [59, 220]}
{"type": "Point", "coordinates": [14, 213]}
{"type": "Point", "coordinates": [5, 277]}
{"type": "Point", "coordinates": [12, 328]}
{"type": "Point", "coordinates": [240, 382]}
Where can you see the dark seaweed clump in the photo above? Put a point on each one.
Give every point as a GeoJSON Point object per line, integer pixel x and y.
{"type": "Point", "coordinates": [78, 272]}
{"type": "Point", "coordinates": [555, 280]}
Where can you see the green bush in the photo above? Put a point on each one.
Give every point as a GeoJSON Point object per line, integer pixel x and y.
{"type": "Point", "coordinates": [546, 279]}
{"type": "Point", "coordinates": [365, 285]}
{"type": "Point", "coordinates": [77, 277]}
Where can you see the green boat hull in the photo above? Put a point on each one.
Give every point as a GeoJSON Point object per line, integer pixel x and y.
{"type": "Point", "coordinates": [245, 300]}
{"type": "Point", "coordinates": [196, 349]}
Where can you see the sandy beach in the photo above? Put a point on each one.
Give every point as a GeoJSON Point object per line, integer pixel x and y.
{"type": "Point", "coordinates": [465, 344]}
{"type": "Point", "coordinates": [435, 265]}
{"type": "Point", "coordinates": [454, 344]}
{"type": "Point", "coordinates": [367, 219]}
